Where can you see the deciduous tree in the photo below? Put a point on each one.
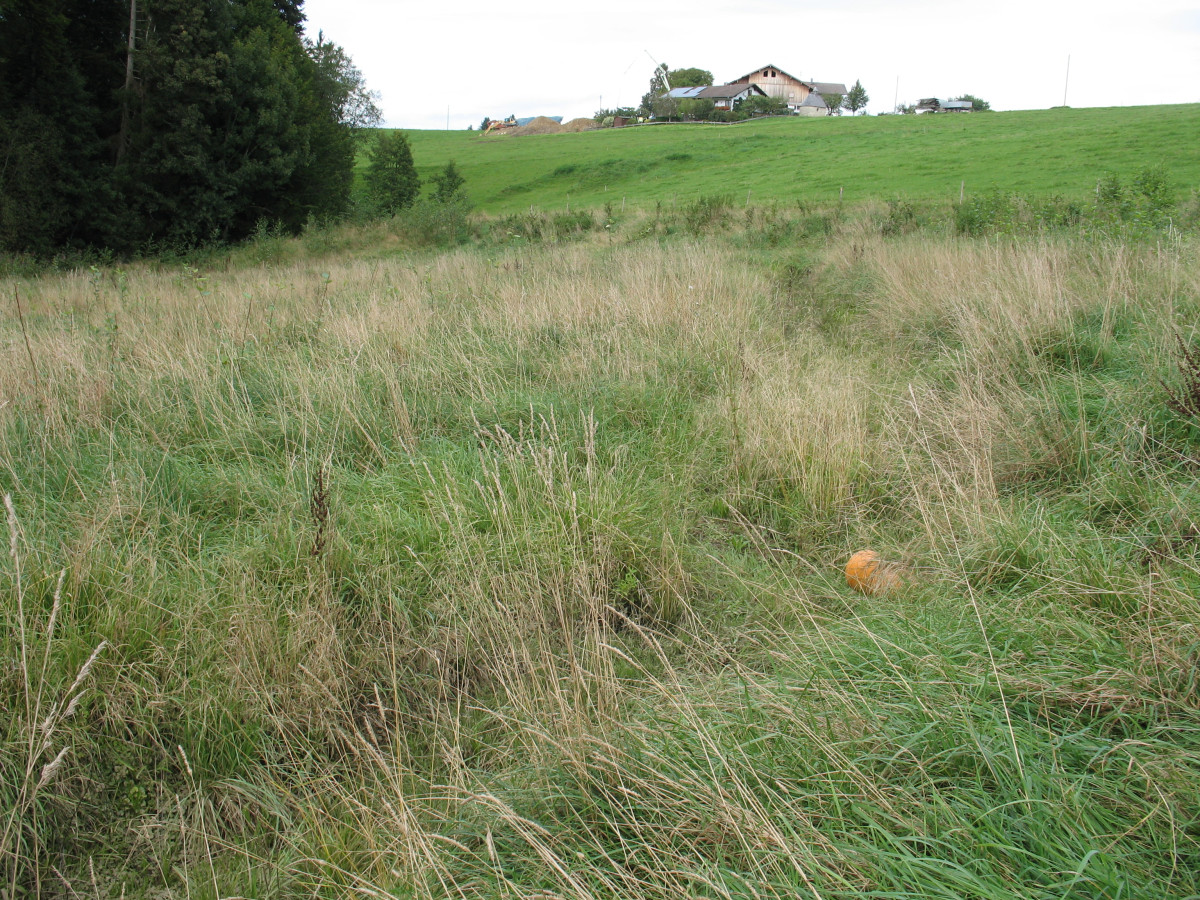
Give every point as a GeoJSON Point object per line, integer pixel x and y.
{"type": "Point", "coordinates": [689, 77]}
{"type": "Point", "coordinates": [857, 98]}
{"type": "Point", "coordinates": [663, 80]}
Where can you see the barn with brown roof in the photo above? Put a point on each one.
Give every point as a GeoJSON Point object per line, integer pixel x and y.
{"type": "Point", "coordinates": [794, 91]}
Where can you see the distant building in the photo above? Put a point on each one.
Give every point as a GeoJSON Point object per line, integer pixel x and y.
{"type": "Point", "coordinates": [775, 82]}
{"type": "Point", "coordinates": [813, 105]}
{"type": "Point", "coordinates": [723, 96]}
{"type": "Point", "coordinates": [934, 104]}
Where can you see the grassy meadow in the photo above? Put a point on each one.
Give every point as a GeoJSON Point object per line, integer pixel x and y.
{"type": "Point", "coordinates": [345, 565]}
{"type": "Point", "coordinates": [917, 158]}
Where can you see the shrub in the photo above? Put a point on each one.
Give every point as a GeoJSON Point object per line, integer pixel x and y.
{"type": "Point", "coordinates": [763, 106]}
{"type": "Point", "coordinates": [434, 223]}
{"type": "Point", "coordinates": [1151, 186]}
{"type": "Point", "coordinates": [1147, 199]}
{"type": "Point", "coordinates": [706, 213]}
{"type": "Point", "coordinates": [697, 110]}
{"type": "Point", "coordinates": [572, 223]}
{"type": "Point", "coordinates": [901, 218]}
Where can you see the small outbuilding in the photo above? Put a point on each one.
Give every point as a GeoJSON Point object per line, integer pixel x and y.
{"type": "Point", "coordinates": [813, 105]}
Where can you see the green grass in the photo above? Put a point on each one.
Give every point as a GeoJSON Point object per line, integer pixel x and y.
{"type": "Point", "coordinates": [514, 569]}
{"type": "Point", "coordinates": [1039, 153]}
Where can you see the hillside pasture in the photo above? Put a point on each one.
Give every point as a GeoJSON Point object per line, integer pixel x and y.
{"type": "Point", "coordinates": [927, 158]}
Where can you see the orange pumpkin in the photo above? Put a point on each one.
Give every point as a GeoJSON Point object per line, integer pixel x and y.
{"type": "Point", "coordinates": [867, 573]}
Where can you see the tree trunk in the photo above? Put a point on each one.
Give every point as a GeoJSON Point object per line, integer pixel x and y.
{"type": "Point", "coordinates": [123, 137]}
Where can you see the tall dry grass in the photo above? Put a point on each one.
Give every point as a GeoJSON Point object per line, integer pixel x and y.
{"type": "Point", "coordinates": [516, 571]}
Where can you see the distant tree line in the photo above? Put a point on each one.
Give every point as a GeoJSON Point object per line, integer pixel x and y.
{"type": "Point", "coordinates": [137, 124]}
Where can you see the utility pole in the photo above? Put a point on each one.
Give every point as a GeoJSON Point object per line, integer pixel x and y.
{"type": "Point", "coordinates": [896, 99]}
{"type": "Point", "coordinates": [1067, 80]}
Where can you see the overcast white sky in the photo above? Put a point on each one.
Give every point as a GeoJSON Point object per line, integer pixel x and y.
{"type": "Point", "coordinates": [553, 57]}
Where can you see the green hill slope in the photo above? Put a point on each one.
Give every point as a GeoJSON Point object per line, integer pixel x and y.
{"type": "Point", "coordinates": [1040, 152]}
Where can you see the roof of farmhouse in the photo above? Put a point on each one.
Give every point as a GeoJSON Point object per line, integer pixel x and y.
{"type": "Point", "coordinates": [713, 91]}
{"type": "Point", "coordinates": [821, 87]}
{"type": "Point", "coordinates": [769, 68]}
{"type": "Point", "coordinates": [725, 91]}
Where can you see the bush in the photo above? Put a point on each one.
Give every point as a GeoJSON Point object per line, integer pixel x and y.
{"type": "Point", "coordinates": [434, 223]}
{"type": "Point", "coordinates": [707, 213]}
{"type": "Point", "coordinates": [1147, 201]}
{"type": "Point", "coordinates": [901, 218]}
{"type": "Point", "coordinates": [762, 106]}
{"type": "Point", "coordinates": [568, 224]}
{"type": "Point", "coordinates": [697, 110]}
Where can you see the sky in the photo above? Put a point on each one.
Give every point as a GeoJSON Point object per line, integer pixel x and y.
{"type": "Point", "coordinates": [449, 65]}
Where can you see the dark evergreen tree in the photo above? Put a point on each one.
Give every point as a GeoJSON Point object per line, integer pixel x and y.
{"type": "Point", "coordinates": [226, 116]}
{"type": "Point", "coordinates": [391, 176]}
{"type": "Point", "coordinates": [58, 61]}
{"type": "Point", "coordinates": [448, 184]}
{"type": "Point", "coordinates": [291, 12]}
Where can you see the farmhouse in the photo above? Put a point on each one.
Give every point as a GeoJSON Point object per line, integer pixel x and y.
{"type": "Point", "coordinates": [723, 96]}
{"type": "Point", "coordinates": [795, 91]}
